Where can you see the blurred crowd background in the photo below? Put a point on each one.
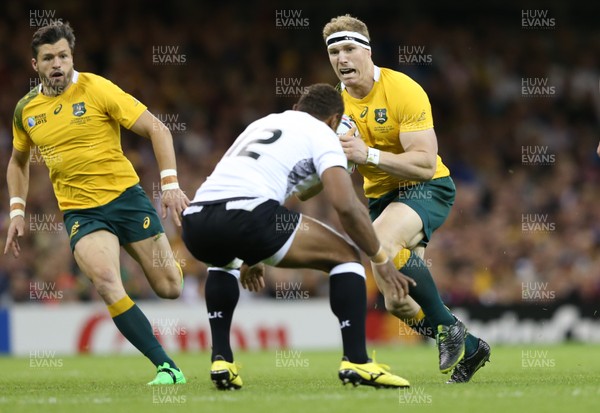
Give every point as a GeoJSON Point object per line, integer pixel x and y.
{"type": "Point", "coordinates": [520, 223]}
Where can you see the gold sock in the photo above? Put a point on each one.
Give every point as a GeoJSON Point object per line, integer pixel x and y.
{"type": "Point", "coordinates": [180, 271]}
{"type": "Point", "coordinates": [120, 306]}
{"type": "Point", "coordinates": [401, 258]}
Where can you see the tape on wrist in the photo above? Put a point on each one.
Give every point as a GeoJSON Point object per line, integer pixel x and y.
{"type": "Point", "coordinates": [16, 212]}
{"type": "Point", "coordinates": [167, 172]}
{"type": "Point", "coordinates": [172, 185]}
{"type": "Point", "coordinates": [168, 179]}
{"type": "Point", "coordinates": [17, 200]}
{"type": "Point", "coordinates": [373, 156]}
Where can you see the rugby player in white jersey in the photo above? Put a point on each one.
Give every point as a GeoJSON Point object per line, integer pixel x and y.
{"type": "Point", "coordinates": [234, 224]}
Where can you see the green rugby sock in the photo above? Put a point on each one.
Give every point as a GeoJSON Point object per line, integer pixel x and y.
{"type": "Point", "coordinates": [136, 328]}
{"type": "Point", "coordinates": [471, 344]}
{"type": "Point", "coordinates": [426, 293]}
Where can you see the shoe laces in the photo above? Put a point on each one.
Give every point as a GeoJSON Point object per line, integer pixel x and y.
{"type": "Point", "coordinates": [163, 367]}
{"type": "Point", "coordinates": [442, 334]}
{"type": "Point", "coordinates": [380, 365]}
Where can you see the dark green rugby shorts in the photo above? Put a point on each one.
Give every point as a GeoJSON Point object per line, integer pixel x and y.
{"type": "Point", "coordinates": [432, 200]}
{"type": "Point", "coordinates": [130, 216]}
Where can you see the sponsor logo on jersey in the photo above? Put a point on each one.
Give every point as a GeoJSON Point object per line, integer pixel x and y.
{"type": "Point", "coordinates": [146, 222]}
{"type": "Point", "coordinates": [422, 117]}
{"type": "Point", "coordinates": [79, 109]}
{"type": "Point", "coordinates": [364, 112]}
{"type": "Point", "coordinates": [58, 109]}
{"type": "Point", "coordinates": [381, 115]}
{"type": "Point", "coordinates": [74, 229]}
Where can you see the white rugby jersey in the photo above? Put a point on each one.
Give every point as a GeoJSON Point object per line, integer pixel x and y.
{"type": "Point", "coordinates": [275, 157]}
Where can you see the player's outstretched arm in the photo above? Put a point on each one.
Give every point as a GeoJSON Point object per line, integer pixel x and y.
{"type": "Point", "coordinates": [17, 177]}
{"type": "Point", "coordinates": [173, 198]}
{"type": "Point", "coordinates": [355, 220]}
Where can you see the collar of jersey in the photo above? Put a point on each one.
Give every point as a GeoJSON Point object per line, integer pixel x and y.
{"type": "Point", "coordinates": [74, 80]}
{"type": "Point", "coordinates": [376, 76]}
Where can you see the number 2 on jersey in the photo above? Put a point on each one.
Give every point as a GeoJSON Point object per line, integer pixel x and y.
{"type": "Point", "coordinates": [244, 151]}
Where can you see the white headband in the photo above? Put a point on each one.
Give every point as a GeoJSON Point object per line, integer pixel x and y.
{"type": "Point", "coordinates": [347, 37]}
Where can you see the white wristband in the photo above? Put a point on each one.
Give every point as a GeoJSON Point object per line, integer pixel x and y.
{"type": "Point", "coordinates": [172, 185]}
{"type": "Point", "coordinates": [17, 200]}
{"type": "Point", "coordinates": [16, 212]}
{"type": "Point", "coordinates": [373, 156]}
{"type": "Point", "coordinates": [167, 172]}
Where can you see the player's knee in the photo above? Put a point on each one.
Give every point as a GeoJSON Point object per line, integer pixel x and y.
{"type": "Point", "coordinates": [106, 282]}
{"type": "Point", "coordinates": [170, 284]}
{"type": "Point", "coordinates": [169, 292]}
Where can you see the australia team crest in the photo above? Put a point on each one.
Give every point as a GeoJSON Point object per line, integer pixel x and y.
{"type": "Point", "coordinates": [381, 115]}
{"type": "Point", "coordinates": [79, 109]}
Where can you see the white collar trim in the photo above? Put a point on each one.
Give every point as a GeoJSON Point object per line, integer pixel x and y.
{"type": "Point", "coordinates": [73, 80]}
{"type": "Point", "coordinates": [376, 76]}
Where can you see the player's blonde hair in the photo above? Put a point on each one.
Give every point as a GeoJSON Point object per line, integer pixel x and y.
{"type": "Point", "coordinates": [345, 23]}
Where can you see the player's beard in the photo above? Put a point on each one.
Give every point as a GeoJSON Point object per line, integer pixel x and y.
{"type": "Point", "coordinates": [55, 87]}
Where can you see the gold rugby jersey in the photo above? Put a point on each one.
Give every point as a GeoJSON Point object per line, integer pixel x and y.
{"type": "Point", "coordinates": [396, 104]}
{"type": "Point", "coordinates": [79, 137]}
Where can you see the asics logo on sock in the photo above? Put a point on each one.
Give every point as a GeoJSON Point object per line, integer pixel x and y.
{"type": "Point", "coordinates": [215, 314]}
{"type": "Point", "coordinates": [345, 323]}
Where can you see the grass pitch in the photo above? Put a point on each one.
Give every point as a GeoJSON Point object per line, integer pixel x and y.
{"type": "Point", "coordinates": [563, 378]}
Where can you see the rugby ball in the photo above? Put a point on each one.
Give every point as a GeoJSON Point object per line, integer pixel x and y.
{"type": "Point", "coordinates": [345, 125]}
